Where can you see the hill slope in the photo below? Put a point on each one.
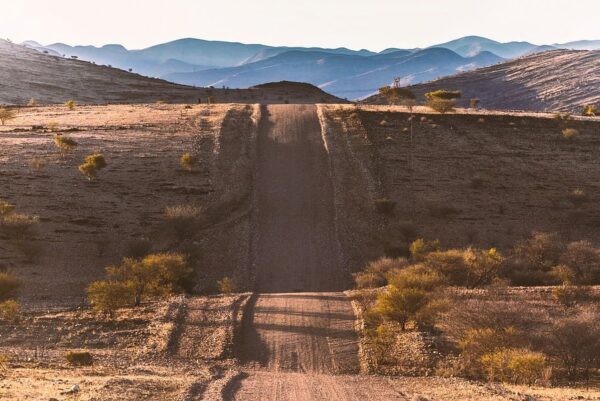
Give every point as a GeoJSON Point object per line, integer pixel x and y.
{"type": "Point", "coordinates": [26, 73]}
{"type": "Point", "coordinates": [553, 80]}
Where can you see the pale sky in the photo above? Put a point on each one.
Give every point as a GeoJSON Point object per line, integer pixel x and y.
{"type": "Point", "coordinates": [371, 24]}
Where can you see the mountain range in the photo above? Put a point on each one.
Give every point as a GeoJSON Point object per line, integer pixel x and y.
{"type": "Point", "coordinates": [342, 72]}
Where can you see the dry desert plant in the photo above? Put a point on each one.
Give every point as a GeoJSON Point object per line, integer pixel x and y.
{"type": "Point", "coordinates": [182, 218]}
{"type": "Point", "coordinates": [226, 285]}
{"type": "Point", "coordinates": [7, 115]}
{"type": "Point", "coordinates": [188, 161]}
{"type": "Point", "coordinates": [375, 274]}
{"type": "Point", "coordinates": [9, 284]}
{"type": "Point", "coordinates": [93, 163]}
{"type": "Point", "coordinates": [79, 358]}
{"type": "Point", "coordinates": [569, 133]}
{"type": "Point", "coordinates": [590, 110]}
{"type": "Point", "coordinates": [64, 143]}
{"type": "Point", "coordinates": [70, 104]}
{"type": "Point", "coordinates": [10, 311]}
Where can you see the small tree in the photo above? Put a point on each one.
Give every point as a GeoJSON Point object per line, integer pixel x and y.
{"type": "Point", "coordinates": [93, 163]}
{"type": "Point", "coordinates": [396, 94]}
{"type": "Point", "coordinates": [6, 115]}
{"type": "Point", "coordinates": [108, 296]}
{"type": "Point", "coordinates": [442, 101]}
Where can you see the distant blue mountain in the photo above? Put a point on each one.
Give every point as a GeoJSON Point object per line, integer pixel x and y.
{"type": "Point", "coordinates": [344, 72]}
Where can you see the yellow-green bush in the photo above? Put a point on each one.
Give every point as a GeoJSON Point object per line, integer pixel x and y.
{"type": "Point", "coordinates": [515, 365]}
{"type": "Point", "coordinates": [419, 248]}
{"type": "Point", "coordinates": [376, 273]}
{"type": "Point", "coordinates": [226, 285]}
{"type": "Point", "coordinates": [6, 208]}
{"type": "Point", "coordinates": [70, 104]}
{"type": "Point", "coordinates": [93, 163]}
{"type": "Point", "coordinates": [417, 276]}
{"type": "Point", "coordinates": [64, 143]}
{"type": "Point", "coordinates": [107, 296]}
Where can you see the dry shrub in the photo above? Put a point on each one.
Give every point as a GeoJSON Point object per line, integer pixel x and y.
{"type": "Point", "coordinates": [182, 219]}
{"type": "Point", "coordinates": [32, 102]}
{"type": "Point", "coordinates": [420, 247]}
{"type": "Point", "coordinates": [10, 311]}
{"type": "Point", "coordinates": [442, 210]}
{"type": "Point", "coordinates": [583, 259]}
{"type": "Point", "coordinates": [515, 365]}
{"type": "Point", "coordinates": [7, 115]}
{"type": "Point", "coordinates": [470, 267]}
{"type": "Point", "coordinates": [79, 358]}
{"type": "Point", "coordinates": [70, 104]}
{"type": "Point", "coordinates": [569, 133]}
{"type": "Point", "coordinates": [577, 197]}
{"type": "Point", "coordinates": [226, 286]}
{"type": "Point", "coordinates": [134, 280]}
{"type": "Point", "coordinates": [64, 143]}
{"type": "Point", "coordinates": [18, 225]}
{"type": "Point", "coordinates": [376, 273]}
{"type": "Point", "coordinates": [138, 248]}
{"type": "Point", "coordinates": [569, 295]}
{"type": "Point", "coordinates": [385, 206]}
{"type": "Point", "coordinates": [575, 342]}
{"type": "Point", "coordinates": [92, 164]}
{"type": "Point", "coordinates": [188, 161]}
{"type": "Point", "coordinates": [532, 260]}
{"type": "Point", "coordinates": [442, 106]}
{"type": "Point", "coordinates": [590, 110]}
{"type": "Point", "coordinates": [474, 103]}
{"type": "Point", "coordinates": [6, 208]}
{"type": "Point", "coordinates": [37, 164]}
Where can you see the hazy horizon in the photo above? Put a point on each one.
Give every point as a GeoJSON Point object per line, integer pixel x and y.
{"type": "Point", "coordinates": [332, 24]}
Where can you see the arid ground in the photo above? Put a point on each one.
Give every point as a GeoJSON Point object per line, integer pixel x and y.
{"type": "Point", "coordinates": [286, 193]}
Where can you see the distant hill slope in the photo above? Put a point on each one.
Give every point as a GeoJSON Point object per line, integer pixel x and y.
{"type": "Point", "coordinates": [553, 80]}
{"type": "Point", "coordinates": [26, 73]}
{"type": "Point", "coordinates": [348, 76]}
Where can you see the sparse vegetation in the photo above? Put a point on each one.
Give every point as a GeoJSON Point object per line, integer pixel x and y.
{"type": "Point", "coordinates": [10, 311]}
{"type": "Point", "coordinates": [70, 104]}
{"type": "Point", "coordinates": [64, 143]}
{"type": "Point", "coordinates": [182, 219]}
{"type": "Point", "coordinates": [570, 133]}
{"type": "Point", "coordinates": [92, 165]}
{"type": "Point", "coordinates": [590, 110]}
{"type": "Point", "coordinates": [442, 101]}
{"type": "Point", "coordinates": [376, 273]}
{"type": "Point", "coordinates": [9, 285]}
{"type": "Point", "coordinates": [397, 94]}
{"type": "Point", "coordinates": [188, 161]}
{"type": "Point", "coordinates": [81, 358]}
{"type": "Point", "coordinates": [7, 115]}
{"type": "Point", "coordinates": [18, 224]}
{"type": "Point", "coordinates": [135, 280]}
{"type": "Point", "coordinates": [474, 103]}
{"type": "Point", "coordinates": [226, 285]}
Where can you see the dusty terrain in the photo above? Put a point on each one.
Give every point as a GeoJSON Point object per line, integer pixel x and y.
{"type": "Point", "coordinates": [26, 73]}
{"type": "Point", "coordinates": [287, 193]}
{"type": "Point", "coordinates": [553, 80]}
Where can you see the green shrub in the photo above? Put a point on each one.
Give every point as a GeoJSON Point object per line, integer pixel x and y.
{"type": "Point", "coordinates": [82, 358]}
{"type": "Point", "coordinates": [188, 161]}
{"type": "Point", "coordinates": [515, 365]}
{"type": "Point", "coordinates": [226, 285]}
{"type": "Point", "coordinates": [93, 163]}
{"type": "Point", "coordinates": [7, 115]}
{"type": "Point", "coordinates": [376, 273]}
{"type": "Point", "coordinates": [10, 311]}
{"type": "Point", "coordinates": [9, 285]}
{"type": "Point", "coordinates": [64, 143]}
{"type": "Point", "coordinates": [385, 206]}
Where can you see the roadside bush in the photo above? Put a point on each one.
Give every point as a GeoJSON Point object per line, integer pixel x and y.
{"type": "Point", "coordinates": [590, 110]}
{"type": "Point", "coordinates": [10, 311]}
{"type": "Point", "coordinates": [385, 206]}
{"type": "Point", "coordinates": [226, 285]}
{"type": "Point", "coordinates": [417, 276]}
{"type": "Point", "coordinates": [9, 285]}
{"type": "Point", "coordinates": [93, 163]}
{"type": "Point", "coordinates": [569, 133]}
{"type": "Point", "coordinates": [79, 358]}
{"type": "Point", "coordinates": [182, 219]}
{"type": "Point", "coordinates": [376, 273]}
{"type": "Point", "coordinates": [70, 104]}
{"type": "Point", "coordinates": [188, 161]}
{"type": "Point", "coordinates": [134, 280]}
{"type": "Point", "coordinates": [7, 115]}
{"type": "Point", "coordinates": [515, 365]}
